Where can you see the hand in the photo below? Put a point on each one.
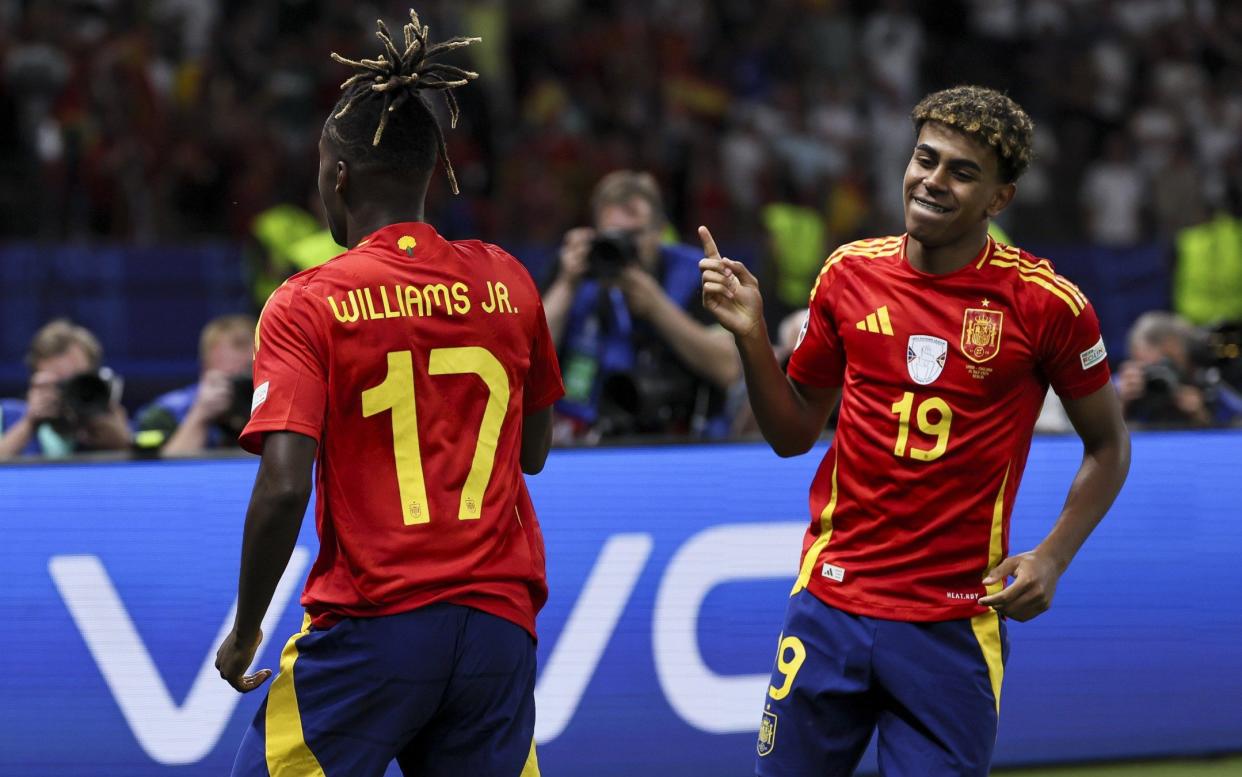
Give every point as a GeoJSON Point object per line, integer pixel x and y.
{"type": "Point", "coordinates": [234, 656]}
{"type": "Point", "coordinates": [215, 395]}
{"type": "Point", "coordinates": [1034, 583]}
{"type": "Point", "coordinates": [106, 432]}
{"type": "Point", "coordinates": [1189, 400]}
{"type": "Point", "coordinates": [643, 293]}
{"type": "Point", "coordinates": [1130, 381]}
{"type": "Point", "coordinates": [42, 398]}
{"type": "Point", "coordinates": [574, 251]}
{"type": "Point", "coordinates": [730, 292]}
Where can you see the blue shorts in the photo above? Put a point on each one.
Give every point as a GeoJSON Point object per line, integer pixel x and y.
{"type": "Point", "coordinates": [931, 689]}
{"type": "Point", "coordinates": [444, 690]}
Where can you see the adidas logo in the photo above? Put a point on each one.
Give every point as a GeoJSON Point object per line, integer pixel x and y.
{"type": "Point", "coordinates": [877, 322]}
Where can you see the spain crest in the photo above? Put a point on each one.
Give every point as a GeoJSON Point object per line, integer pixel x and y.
{"type": "Point", "coordinates": [767, 734]}
{"type": "Point", "coordinates": [981, 333]}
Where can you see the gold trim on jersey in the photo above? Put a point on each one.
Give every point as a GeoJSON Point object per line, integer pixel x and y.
{"type": "Point", "coordinates": [870, 248]}
{"type": "Point", "coordinates": [1041, 274]}
{"type": "Point", "coordinates": [987, 626]}
{"type": "Point", "coordinates": [825, 534]}
{"type": "Point", "coordinates": [996, 541]}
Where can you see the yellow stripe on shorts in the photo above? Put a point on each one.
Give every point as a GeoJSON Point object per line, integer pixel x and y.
{"type": "Point", "coordinates": [287, 752]}
{"type": "Point", "coordinates": [987, 631]}
{"type": "Point", "coordinates": [531, 769]}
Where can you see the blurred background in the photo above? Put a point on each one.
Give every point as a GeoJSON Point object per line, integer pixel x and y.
{"type": "Point", "coordinates": [158, 157]}
{"type": "Point", "coordinates": [158, 163]}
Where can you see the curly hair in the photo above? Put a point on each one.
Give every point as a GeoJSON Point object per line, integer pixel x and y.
{"type": "Point", "coordinates": [379, 88]}
{"type": "Point", "coordinates": [987, 116]}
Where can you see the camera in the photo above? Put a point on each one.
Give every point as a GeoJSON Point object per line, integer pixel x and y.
{"type": "Point", "coordinates": [1161, 379]}
{"type": "Point", "coordinates": [234, 419]}
{"type": "Point", "coordinates": [610, 253]}
{"type": "Point", "coordinates": [84, 397]}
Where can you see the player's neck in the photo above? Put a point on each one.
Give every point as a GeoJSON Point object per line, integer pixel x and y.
{"type": "Point", "coordinates": [371, 218]}
{"type": "Point", "coordinates": [944, 259]}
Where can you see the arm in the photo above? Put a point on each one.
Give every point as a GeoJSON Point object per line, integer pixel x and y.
{"type": "Point", "coordinates": [791, 415]}
{"type": "Point", "coordinates": [536, 440]}
{"type": "Point", "coordinates": [1106, 460]}
{"type": "Point", "coordinates": [559, 297]}
{"type": "Point", "coordinates": [42, 401]}
{"type": "Point", "coordinates": [213, 398]}
{"type": "Point", "coordinates": [707, 351]}
{"type": "Point", "coordinates": [17, 437]}
{"type": "Point", "coordinates": [277, 504]}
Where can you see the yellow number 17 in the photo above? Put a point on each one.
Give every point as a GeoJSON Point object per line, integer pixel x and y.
{"type": "Point", "coordinates": [396, 393]}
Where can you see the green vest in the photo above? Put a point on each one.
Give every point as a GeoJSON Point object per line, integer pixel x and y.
{"type": "Point", "coordinates": [797, 237]}
{"type": "Point", "coordinates": [1207, 282]}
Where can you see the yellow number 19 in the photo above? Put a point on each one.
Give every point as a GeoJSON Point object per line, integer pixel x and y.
{"type": "Point", "coordinates": [396, 394]}
{"type": "Point", "coordinates": [939, 429]}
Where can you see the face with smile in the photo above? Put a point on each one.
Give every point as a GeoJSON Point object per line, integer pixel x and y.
{"type": "Point", "coordinates": [952, 187]}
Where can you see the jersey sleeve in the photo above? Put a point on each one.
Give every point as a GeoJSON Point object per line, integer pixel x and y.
{"type": "Point", "coordinates": [543, 379]}
{"type": "Point", "coordinates": [818, 359]}
{"type": "Point", "coordinates": [290, 369]}
{"type": "Point", "coordinates": [1073, 355]}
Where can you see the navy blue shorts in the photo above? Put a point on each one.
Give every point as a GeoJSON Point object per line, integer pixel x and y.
{"type": "Point", "coordinates": [444, 690]}
{"type": "Point", "coordinates": [932, 690]}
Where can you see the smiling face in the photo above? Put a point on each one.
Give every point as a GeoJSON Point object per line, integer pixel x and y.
{"type": "Point", "coordinates": [952, 187]}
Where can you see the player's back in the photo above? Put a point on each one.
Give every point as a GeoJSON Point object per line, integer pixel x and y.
{"type": "Point", "coordinates": [433, 351]}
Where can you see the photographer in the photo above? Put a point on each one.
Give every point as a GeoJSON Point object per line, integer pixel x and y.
{"type": "Point", "coordinates": [639, 354]}
{"type": "Point", "coordinates": [212, 412]}
{"type": "Point", "coordinates": [73, 403]}
{"type": "Point", "coordinates": [1169, 379]}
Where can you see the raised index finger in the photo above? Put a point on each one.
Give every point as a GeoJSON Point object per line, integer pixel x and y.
{"type": "Point", "coordinates": [709, 244]}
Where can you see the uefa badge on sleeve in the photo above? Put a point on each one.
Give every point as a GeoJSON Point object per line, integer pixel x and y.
{"type": "Point", "coordinates": [767, 734]}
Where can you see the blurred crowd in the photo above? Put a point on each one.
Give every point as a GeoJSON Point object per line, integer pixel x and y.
{"type": "Point", "coordinates": [154, 120]}
{"type": "Point", "coordinates": [783, 125]}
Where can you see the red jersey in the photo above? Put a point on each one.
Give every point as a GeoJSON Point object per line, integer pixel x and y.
{"type": "Point", "coordinates": [412, 361]}
{"type": "Point", "coordinates": [943, 377]}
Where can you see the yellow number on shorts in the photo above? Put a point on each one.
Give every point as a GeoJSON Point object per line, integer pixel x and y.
{"type": "Point", "coordinates": [396, 394]}
{"type": "Point", "coordinates": [939, 429]}
{"type": "Point", "coordinates": [787, 666]}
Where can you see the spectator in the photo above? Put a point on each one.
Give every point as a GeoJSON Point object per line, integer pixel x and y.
{"type": "Point", "coordinates": [212, 412]}
{"type": "Point", "coordinates": [1163, 382]}
{"type": "Point", "coordinates": [1113, 195]}
{"type": "Point", "coordinates": [73, 402]}
{"type": "Point", "coordinates": [637, 351]}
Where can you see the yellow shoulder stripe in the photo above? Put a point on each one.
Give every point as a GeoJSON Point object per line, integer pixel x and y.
{"type": "Point", "coordinates": [1040, 280]}
{"type": "Point", "coordinates": [869, 249]}
{"type": "Point", "coordinates": [1043, 267]}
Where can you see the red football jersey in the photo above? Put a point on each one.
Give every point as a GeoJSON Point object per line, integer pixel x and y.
{"type": "Point", "coordinates": [943, 377]}
{"type": "Point", "coordinates": [412, 360]}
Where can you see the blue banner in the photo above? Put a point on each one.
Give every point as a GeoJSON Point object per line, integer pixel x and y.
{"type": "Point", "coordinates": [669, 570]}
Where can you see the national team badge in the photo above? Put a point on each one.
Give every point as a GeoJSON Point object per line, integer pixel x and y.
{"type": "Point", "coordinates": [767, 734]}
{"type": "Point", "coordinates": [925, 357]}
{"type": "Point", "coordinates": [981, 333]}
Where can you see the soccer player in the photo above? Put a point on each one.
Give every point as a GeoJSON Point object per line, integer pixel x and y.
{"type": "Point", "coordinates": [417, 374]}
{"type": "Point", "coordinates": [941, 344]}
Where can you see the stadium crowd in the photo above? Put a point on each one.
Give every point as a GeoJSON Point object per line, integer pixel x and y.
{"type": "Point", "coordinates": [784, 124]}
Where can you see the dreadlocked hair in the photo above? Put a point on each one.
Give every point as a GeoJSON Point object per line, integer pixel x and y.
{"type": "Point", "coordinates": [395, 79]}
{"type": "Point", "coordinates": [987, 116]}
